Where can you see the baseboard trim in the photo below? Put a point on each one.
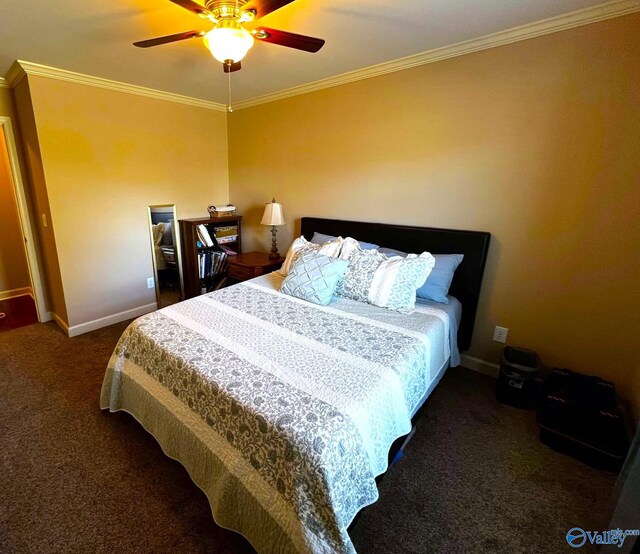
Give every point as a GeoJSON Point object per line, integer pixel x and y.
{"type": "Point", "coordinates": [59, 321]}
{"type": "Point", "coordinates": [13, 293]}
{"type": "Point", "coordinates": [481, 366]}
{"type": "Point", "coordinates": [82, 328]}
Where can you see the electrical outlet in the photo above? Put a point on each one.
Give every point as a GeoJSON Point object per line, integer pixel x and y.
{"type": "Point", "coordinates": [500, 334]}
{"type": "Point", "coordinates": [150, 283]}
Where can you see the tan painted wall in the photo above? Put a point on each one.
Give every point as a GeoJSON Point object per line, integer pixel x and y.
{"type": "Point", "coordinates": [6, 102]}
{"type": "Point", "coordinates": [39, 198]}
{"type": "Point", "coordinates": [106, 156]}
{"type": "Point", "coordinates": [14, 271]}
{"type": "Point", "coordinates": [536, 142]}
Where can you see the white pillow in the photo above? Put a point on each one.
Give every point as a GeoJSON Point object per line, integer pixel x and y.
{"type": "Point", "coordinates": [386, 282]}
{"type": "Point", "coordinates": [300, 245]}
{"type": "Point", "coordinates": [395, 281]}
{"type": "Point", "coordinates": [349, 247]}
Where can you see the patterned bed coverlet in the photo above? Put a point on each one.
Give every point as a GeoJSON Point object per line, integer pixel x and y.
{"type": "Point", "coordinates": [282, 411]}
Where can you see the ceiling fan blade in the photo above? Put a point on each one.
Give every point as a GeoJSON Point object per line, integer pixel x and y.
{"type": "Point", "coordinates": [291, 40]}
{"type": "Point", "coordinates": [193, 7]}
{"type": "Point", "coordinates": [264, 7]}
{"type": "Point", "coordinates": [231, 68]}
{"type": "Point", "coordinates": [169, 38]}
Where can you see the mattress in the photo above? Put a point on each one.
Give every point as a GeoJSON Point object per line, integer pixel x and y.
{"type": "Point", "coordinates": [282, 412]}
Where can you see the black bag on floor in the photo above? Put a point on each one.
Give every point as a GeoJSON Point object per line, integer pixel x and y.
{"type": "Point", "coordinates": [580, 415]}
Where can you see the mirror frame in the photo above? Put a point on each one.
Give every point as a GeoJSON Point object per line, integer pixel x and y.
{"type": "Point", "coordinates": [170, 207]}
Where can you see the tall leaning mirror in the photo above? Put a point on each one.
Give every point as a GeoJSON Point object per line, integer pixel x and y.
{"type": "Point", "coordinates": [165, 247]}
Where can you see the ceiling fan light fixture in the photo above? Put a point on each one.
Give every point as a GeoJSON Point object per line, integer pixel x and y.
{"type": "Point", "coordinates": [247, 15]}
{"type": "Point", "coordinates": [228, 41]}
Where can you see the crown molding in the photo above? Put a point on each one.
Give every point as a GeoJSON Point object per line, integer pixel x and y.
{"type": "Point", "coordinates": [15, 74]}
{"type": "Point", "coordinates": [21, 68]}
{"type": "Point", "coordinates": [563, 22]}
{"type": "Point", "coordinates": [616, 8]}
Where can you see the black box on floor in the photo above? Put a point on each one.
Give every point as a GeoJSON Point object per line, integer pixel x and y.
{"type": "Point", "coordinates": [580, 416]}
{"type": "Point", "coordinates": [517, 384]}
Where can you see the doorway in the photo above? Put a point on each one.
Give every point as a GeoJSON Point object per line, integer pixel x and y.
{"type": "Point", "coordinates": [165, 248]}
{"type": "Point", "coordinates": [21, 292]}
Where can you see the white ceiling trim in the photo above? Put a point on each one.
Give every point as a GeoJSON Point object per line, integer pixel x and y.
{"type": "Point", "coordinates": [585, 16]}
{"type": "Point", "coordinates": [577, 18]}
{"type": "Point", "coordinates": [20, 69]}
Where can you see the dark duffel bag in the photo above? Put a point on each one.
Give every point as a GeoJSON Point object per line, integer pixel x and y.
{"type": "Point", "coordinates": [580, 415]}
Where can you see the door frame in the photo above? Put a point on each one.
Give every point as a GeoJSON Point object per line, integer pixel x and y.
{"type": "Point", "coordinates": [26, 225]}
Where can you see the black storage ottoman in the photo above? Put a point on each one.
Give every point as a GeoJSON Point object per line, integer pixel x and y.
{"type": "Point", "coordinates": [580, 416]}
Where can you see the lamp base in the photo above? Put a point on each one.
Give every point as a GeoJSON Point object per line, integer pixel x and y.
{"type": "Point", "coordinates": [274, 247]}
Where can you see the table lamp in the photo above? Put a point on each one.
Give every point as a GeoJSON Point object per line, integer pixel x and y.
{"type": "Point", "coordinates": [273, 216]}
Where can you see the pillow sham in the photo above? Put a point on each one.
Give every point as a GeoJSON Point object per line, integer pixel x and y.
{"type": "Point", "coordinates": [386, 282]}
{"type": "Point", "coordinates": [437, 285]}
{"type": "Point", "coordinates": [301, 245]}
{"type": "Point", "coordinates": [359, 275]}
{"type": "Point", "coordinates": [313, 277]}
{"type": "Point", "coordinates": [319, 238]}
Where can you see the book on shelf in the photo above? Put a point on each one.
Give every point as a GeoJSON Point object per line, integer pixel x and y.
{"type": "Point", "coordinates": [228, 239]}
{"type": "Point", "coordinates": [226, 231]}
{"type": "Point", "coordinates": [204, 236]}
{"type": "Point", "coordinates": [211, 263]}
{"type": "Point", "coordinates": [228, 250]}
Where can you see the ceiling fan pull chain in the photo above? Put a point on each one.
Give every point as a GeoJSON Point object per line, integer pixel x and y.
{"type": "Point", "coordinates": [229, 108]}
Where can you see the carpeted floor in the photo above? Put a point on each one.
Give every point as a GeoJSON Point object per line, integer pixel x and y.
{"type": "Point", "coordinates": [74, 479]}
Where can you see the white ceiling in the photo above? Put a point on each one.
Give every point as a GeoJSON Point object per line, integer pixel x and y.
{"type": "Point", "coordinates": [94, 37]}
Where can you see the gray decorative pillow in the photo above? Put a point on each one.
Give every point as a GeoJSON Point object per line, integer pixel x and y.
{"type": "Point", "coordinates": [313, 277]}
{"type": "Point", "coordinates": [357, 279]}
{"type": "Point", "coordinates": [386, 282]}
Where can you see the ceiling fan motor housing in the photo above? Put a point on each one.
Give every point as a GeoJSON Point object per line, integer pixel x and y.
{"type": "Point", "coordinates": [229, 41]}
{"type": "Point", "coordinates": [225, 9]}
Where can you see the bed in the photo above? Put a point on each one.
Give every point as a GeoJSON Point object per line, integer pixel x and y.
{"type": "Point", "coordinates": [284, 412]}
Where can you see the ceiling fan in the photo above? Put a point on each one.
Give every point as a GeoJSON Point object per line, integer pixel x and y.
{"type": "Point", "coordinates": [229, 41]}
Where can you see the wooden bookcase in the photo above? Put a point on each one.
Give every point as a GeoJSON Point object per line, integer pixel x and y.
{"type": "Point", "coordinates": [193, 284]}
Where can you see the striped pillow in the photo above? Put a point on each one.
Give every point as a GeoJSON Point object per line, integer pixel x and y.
{"type": "Point", "coordinates": [396, 280]}
{"type": "Point", "coordinates": [386, 282]}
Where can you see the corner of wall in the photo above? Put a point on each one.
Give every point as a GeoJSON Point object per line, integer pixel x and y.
{"type": "Point", "coordinates": [40, 200]}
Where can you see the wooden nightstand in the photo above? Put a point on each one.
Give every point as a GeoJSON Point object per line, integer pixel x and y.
{"type": "Point", "coordinates": [251, 264]}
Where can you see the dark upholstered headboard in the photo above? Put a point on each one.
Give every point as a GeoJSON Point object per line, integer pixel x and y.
{"type": "Point", "coordinates": [468, 277]}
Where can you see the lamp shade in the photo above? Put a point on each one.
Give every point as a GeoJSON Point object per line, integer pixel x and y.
{"type": "Point", "coordinates": [273, 214]}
